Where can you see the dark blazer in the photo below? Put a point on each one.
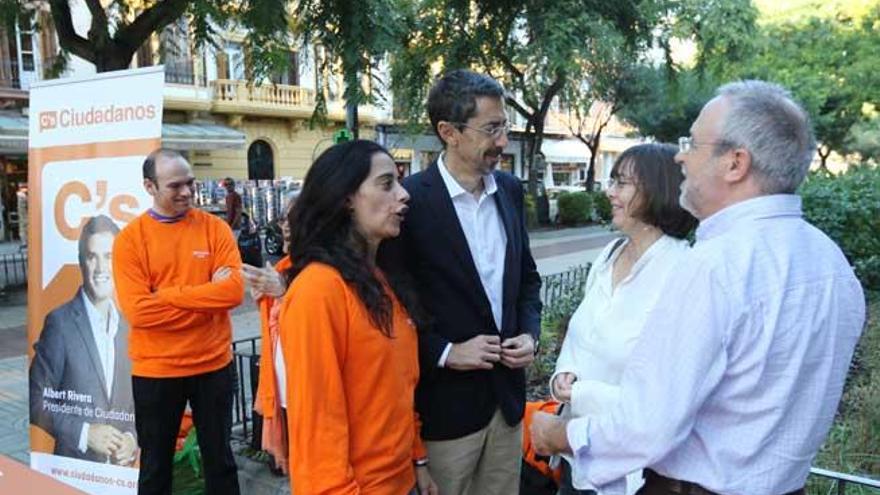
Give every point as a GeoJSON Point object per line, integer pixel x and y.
{"type": "Point", "coordinates": [435, 253]}
{"type": "Point", "coordinates": [66, 359]}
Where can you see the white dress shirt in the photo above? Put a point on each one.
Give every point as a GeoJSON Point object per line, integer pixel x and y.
{"type": "Point", "coordinates": [736, 379]}
{"type": "Point", "coordinates": [604, 330]}
{"type": "Point", "coordinates": [486, 239]}
{"type": "Point", "coordinates": [104, 328]}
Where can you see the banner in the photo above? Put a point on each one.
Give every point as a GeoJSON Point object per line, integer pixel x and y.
{"type": "Point", "coordinates": [88, 138]}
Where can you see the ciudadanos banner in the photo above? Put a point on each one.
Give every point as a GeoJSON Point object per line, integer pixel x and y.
{"type": "Point", "coordinates": [87, 142]}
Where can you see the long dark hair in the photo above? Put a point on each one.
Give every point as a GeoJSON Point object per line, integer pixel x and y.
{"type": "Point", "coordinates": [322, 230]}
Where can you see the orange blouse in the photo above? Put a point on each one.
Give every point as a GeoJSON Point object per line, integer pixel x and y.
{"type": "Point", "coordinates": [350, 390]}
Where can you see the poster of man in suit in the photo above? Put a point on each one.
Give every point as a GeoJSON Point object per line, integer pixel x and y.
{"type": "Point", "coordinates": [80, 376]}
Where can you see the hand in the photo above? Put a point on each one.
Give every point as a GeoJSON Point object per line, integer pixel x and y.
{"type": "Point", "coordinates": [548, 434]}
{"type": "Point", "coordinates": [562, 386]}
{"type": "Point", "coordinates": [104, 439]}
{"type": "Point", "coordinates": [263, 281]}
{"type": "Point", "coordinates": [518, 352]}
{"type": "Point", "coordinates": [124, 455]}
{"type": "Point", "coordinates": [478, 353]}
{"type": "Point", "coordinates": [221, 274]}
{"type": "Point", "coordinates": [426, 482]}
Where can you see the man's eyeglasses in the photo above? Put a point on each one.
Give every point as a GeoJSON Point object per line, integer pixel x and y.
{"type": "Point", "coordinates": [687, 143]}
{"type": "Point", "coordinates": [494, 132]}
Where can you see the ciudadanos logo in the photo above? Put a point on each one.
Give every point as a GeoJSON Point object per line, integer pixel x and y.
{"type": "Point", "coordinates": [93, 116]}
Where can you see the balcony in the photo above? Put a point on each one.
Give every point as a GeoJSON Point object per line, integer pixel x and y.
{"type": "Point", "coordinates": [277, 100]}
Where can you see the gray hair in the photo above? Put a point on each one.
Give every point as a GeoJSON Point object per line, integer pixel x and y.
{"type": "Point", "coordinates": [765, 119]}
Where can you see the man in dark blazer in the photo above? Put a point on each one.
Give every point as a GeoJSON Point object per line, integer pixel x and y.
{"type": "Point", "coordinates": [464, 243]}
{"type": "Point", "coordinates": [80, 376]}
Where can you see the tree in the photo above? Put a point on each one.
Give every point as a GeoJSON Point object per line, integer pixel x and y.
{"type": "Point", "coordinates": [663, 105]}
{"type": "Point", "coordinates": [533, 47]}
{"type": "Point", "coordinates": [358, 35]}
{"type": "Point", "coordinates": [119, 28]}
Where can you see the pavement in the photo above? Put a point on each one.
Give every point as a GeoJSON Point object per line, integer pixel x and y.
{"type": "Point", "coordinates": [554, 250]}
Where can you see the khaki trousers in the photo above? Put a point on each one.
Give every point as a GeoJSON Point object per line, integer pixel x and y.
{"type": "Point", "coordinates": [486, 462]}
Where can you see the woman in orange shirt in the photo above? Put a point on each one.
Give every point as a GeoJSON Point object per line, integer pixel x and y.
{"type": "Point", "coordinates": [349, 344]}
{"type": "Point", "coordinates": [268, 285]}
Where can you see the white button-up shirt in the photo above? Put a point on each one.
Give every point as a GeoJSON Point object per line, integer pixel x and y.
{"type": "Point", "coordinates": [737, 376]}
{"type": "Point", "coordinates": [104, 328]}
{"type": "Point", "coordinates": [605, 328]}
{"type": "Point", "coordinates": [481, 223]}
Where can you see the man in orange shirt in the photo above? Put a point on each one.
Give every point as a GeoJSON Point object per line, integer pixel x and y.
{"type": "Point", "coordinates": [177, 273]}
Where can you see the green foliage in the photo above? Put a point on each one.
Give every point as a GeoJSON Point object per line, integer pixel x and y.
{"type": "Point", "coordinates": [187, 472]}
{"type": "Point", "coordinates": [664, 106]}
{"type": "Point", "coordinates": [356, 34]}
{"type": "Point", "coordinates": [567, 289]}
{"type": "Point", "coordinates": [851, 446]}
{"type": "Point", "coordinates": [574, 207]}
{"type": "Point", "coordinates": [601, 207]}
{"type": "Point", "coordinates": [864, 139]}
{"type": "Point", "coordinates": [847, 208]}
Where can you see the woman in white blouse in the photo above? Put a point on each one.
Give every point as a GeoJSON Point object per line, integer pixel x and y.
{"type": "Point", "coordinates": [621, 286]}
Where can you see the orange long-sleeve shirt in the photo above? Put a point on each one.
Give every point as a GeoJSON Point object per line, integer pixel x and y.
{"type": "Point", "coordinates": [350, 391]}
{"type": "Point", "coordinates": [179, 319]}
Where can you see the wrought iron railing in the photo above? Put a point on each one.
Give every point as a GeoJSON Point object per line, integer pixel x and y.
{"type": "Point", "coordinates": [558, 285]}
{"type": "Point", "coordinates": [843, 481]}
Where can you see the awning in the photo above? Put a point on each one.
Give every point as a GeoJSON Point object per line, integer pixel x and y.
{"type": "Point", "coordinates": [14, 136]}
{"type": "Point", "coordinates": [201, 137]}
{"type": "Point", "coordinates": [565, 151]}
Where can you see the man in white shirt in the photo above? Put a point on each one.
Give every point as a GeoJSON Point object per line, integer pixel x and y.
{"type": "Point", "coordinates": [81, 363]}
{"type": "Point", "coordinates": [465, 243]}
{"type": "Point", "coordinates": [735, 383]}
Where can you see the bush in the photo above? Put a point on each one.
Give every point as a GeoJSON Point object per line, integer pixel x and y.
{"type": "Point", "coordinates": [574, 208]}
{"type": "Point", "coordinates": [847, 208]}
{"type": "Point", "coordinates": [601, 207]}
{"type": "Point", "coordinates": [851, 446]}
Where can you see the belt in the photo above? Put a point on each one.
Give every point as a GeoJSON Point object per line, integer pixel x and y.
{"type": "Point", "coordinates": [653, 479]}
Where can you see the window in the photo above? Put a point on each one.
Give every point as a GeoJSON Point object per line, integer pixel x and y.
{"type": "Point", "coordinates": [290, 75]}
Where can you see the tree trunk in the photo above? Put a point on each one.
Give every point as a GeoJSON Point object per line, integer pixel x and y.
{"type": "Point", "coordinates": [351, 118]}
{"type": "Point", "coordinates": [823, 157]}
{"type": "Point", "coordinates": [593, 146]}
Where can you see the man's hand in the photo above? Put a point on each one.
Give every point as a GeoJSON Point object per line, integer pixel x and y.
{"type": "Point", "coordinates": [124, 455]}
{"type": "Point", "coordinates": [221, 274]}
{"type": "Point", "coordinates": [478, 353]}
{"type": "Point", "coordinates": [426, 482]}
{"type": "Point", "coordinates": [263, 281]}
{"type": "Point", "coordinates": [104, 439]}
{"type": "Point", "coordinates": [548, 434]}
{"type": "Point", "coordinates": [518, 352]}
{"type": "Point", "coordinates": [562, 384]}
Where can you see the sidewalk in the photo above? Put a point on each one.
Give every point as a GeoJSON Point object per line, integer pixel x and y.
{"type": "Point", "coordinates": [554, 251]}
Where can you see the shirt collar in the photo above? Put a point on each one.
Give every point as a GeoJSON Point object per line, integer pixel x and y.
{"type": "Point", "coordinates": [770, 206]}
{"type": "Point", "coordinates": [454, 188]}
{"type": "Point", "coordinates": [96, 317]}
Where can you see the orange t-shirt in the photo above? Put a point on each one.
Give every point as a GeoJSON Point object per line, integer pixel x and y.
{"type": "Point", "coordinates": [350, 390]}
{"type": "Point", "coordinates": [179, 319]}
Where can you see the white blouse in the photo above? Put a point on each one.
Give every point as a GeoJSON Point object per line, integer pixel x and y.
{"type": "Point", "coordinates": [605, 327]}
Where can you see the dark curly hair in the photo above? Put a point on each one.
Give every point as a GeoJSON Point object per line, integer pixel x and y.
{"type": "Point", "coordinates": [322, 230]}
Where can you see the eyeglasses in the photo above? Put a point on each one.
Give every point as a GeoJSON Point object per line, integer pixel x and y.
{"type": "Point", "coordinates": [494, 132]}
{"type": "Point", "coordinates": [619, 182]}
{"type": "Point", "coordinates": [687, 143]}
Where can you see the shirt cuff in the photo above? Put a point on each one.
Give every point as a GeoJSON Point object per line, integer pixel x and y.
{"type": "Point", "coordinates": [442, 362]}
{"type": "Point", "coordinates": [578, 432]}
{"type": "Point", "coordinates": [83, 444]}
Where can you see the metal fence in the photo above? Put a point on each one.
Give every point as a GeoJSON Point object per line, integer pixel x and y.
{"type": "Point", "coordinates": [13, 270]}
{"type": "Point", "coordinates": [558, 285]}
{"type": "Point", "coordinates": [844, 481]}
